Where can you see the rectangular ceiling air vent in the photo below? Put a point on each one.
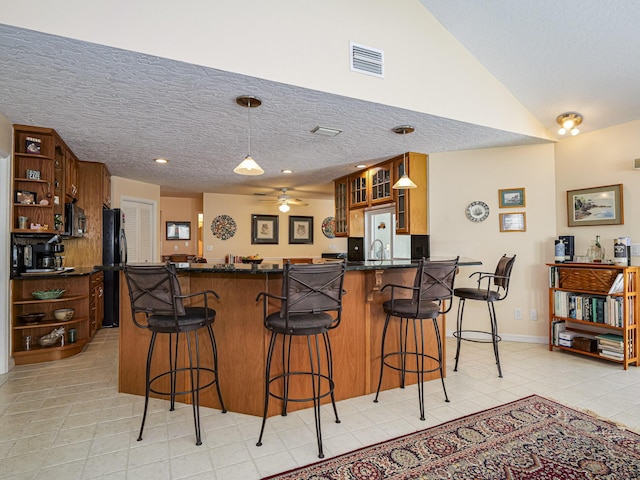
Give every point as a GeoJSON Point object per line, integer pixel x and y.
{"type": "Point", "coordinates": [367, 60]}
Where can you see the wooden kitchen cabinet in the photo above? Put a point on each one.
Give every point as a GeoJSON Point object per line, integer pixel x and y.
{"type": "Point", "coordinates": [96, 302]}
{"type": "Point", "coordinates": [76, 295]}
{"type": "Point", "coordinates": [374, 186]}
{"type": "Point", "coordinates": [380, 181]}
{"type": "Point", "coordinates": [411, 204]}
{"type": "Point", "coordinates": [71, 175]}
{"type": "Point", "coordinates": [358, 192]}
{"type": "Point", "coordinates": [106, 186]}
{"type": "Point", "coordinates": [341, 208]}
{"type": "Point", "coordinates": [43, 168]}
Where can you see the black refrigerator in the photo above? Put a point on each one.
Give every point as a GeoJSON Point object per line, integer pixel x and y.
{"type": "Point", "coordinates": [114, 252]}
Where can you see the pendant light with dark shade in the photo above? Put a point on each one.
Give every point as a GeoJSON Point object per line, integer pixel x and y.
{"type": "Point", "coordinates": [248, 166]}
{"type": "Point", "coordinates": [404, 182]}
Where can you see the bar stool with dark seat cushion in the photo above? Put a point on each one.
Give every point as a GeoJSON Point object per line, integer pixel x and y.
{"type": "Point", "coordinates": [500, 280]}
{"type": "Point", "coordinates": [155, 292]}
{"type": "Point", "coordinates": [431, 296]}
{"type": "Point", "coordinates": [310, 306]}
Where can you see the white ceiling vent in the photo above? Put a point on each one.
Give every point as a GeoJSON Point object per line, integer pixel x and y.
{"type": "Point", "coordinates": [367, 60]}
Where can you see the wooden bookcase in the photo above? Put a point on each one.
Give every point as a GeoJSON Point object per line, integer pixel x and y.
{"type": "Point", "coordinates": [583, 284]}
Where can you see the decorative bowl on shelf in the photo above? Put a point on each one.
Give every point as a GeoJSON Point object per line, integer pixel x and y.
{"type": "Point", "coordinates": [48, 294]}
{"type": "Point", "coordinates": [255, 261]}
{"type": "Point", "coordinates": [63, 314]}
{"type": "Point", "coordinates": [30, 318]}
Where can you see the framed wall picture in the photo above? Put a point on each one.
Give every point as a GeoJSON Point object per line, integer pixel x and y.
{"type": "Point", "coordinates": [513, 222]}
{"type": "Point", "coordinates": [178, 230]}
{"type": "Point", "coordinates": [300, 229]}
{"type": "Point", "coordinates": [25, 198]}
{"type": "Point", "coordinates": [511, 198]}
{"type": "Point", "coordinates": [595, 206]}
{"type": "Point", "coordinates": [264, 229]}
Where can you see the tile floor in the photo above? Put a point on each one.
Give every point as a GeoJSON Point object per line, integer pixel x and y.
{"type": "Point", "coordinates": [66, 420]}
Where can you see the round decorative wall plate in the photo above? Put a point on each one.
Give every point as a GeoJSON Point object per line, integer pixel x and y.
{"type": "Point", "coordinates": [224, 227]}
{"type": "Point", "coordinates": [477, 211]}
{"type": "Point", "coordinates": [329, 227]}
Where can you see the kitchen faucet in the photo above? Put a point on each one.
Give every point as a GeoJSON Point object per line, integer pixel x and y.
{"type": "Point", "coordinates": [375, 255]}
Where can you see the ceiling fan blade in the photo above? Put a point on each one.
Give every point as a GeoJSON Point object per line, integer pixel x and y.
{"type": "Point", "coordinates": [297, 201]}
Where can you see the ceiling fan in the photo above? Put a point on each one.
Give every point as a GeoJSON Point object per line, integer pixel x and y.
{"type": "Point", "coordinates": [285, 201]}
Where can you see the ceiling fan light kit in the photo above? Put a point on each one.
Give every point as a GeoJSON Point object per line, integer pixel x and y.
{"type": "Point", "coordinates": [248, 166]}
{"type": "Point", "coordinates": [404, 182]}
{"type": "Point", "coordinates": [284, 201]}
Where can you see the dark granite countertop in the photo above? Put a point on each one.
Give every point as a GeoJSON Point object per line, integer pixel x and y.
{"type": "Point", "coordinates": [266, 268]}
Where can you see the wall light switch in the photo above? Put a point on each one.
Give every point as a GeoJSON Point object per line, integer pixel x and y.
{"type": "Point", "coordinates": [186, 244]}
{"type": "Point", "coordinates": [635, 249]}
{"type": "Point", "coordinates": [209, 248]}
{"type": "Point", "coordinates": [175, 247]}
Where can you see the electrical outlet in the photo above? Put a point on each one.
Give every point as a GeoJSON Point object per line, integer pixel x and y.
{"type": "Point", "coordinates": [635, 249]}
{"type": "Point", "coordinates": [533, 314]}
{"type": "Point", "coordinates": [209, 248]}
{"type": "Point", "coordinates": [517, 313]}
{"type": "Point", "coordinates": [175, 247]}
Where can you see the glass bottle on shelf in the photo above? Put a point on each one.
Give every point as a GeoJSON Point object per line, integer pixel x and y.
{"type": "Point", "coordinates": [596, 252]}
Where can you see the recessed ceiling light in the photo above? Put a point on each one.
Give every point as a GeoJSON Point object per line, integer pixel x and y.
{"type": "Point", "coordinates": [286, 170]}
{"type": "Point", "coordinates": [361, 166]}
{"type": "Point", "coordinates": [161, 160]}
{"type": "Point", "coordinates": [326, 131]}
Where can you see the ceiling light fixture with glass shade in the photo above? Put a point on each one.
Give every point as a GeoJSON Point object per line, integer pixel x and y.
{"type": "Point", "coordinates": [404, 182]}
{"type": "Point", "coordinates": [248, 166]}
{"type": "Point", "coordinates": [569, 122]}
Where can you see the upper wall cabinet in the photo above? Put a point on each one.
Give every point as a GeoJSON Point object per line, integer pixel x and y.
{"type": "Point", "coordinates": [374, 186]}
{"type": "Point", "coordinates": [341, 209]}
{"type": "Point", "coordinates": [33, 180]}
{"type": "Point", "coordinates": [411, 204]}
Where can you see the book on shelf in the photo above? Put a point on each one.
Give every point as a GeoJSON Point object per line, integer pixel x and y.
{"type": "Point", "coordinates": [618, 284]}
{"type": "Point", "coordinates": [612, 355]}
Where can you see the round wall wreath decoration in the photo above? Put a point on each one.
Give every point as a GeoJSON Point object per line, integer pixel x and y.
{"type": "Point", "coordinates": [224, 227]}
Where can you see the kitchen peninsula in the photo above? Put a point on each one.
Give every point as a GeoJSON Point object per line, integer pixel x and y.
{"type": "Point", "coordinates": [242, 338]}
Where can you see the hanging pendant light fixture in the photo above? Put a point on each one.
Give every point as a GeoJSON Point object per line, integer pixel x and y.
{"type": "Point", "coordinates": [248, 166]}
{"type": "Point", "coordinates": [404, 182]}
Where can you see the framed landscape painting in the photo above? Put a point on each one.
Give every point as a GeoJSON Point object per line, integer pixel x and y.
{"type": "Point", "coordinates": [511, 198]}
{"type": "Point", "coordinates": [595, 206]}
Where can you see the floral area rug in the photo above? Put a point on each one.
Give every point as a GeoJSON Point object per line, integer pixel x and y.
{"type": "Point", "coordinates": [531, 438]}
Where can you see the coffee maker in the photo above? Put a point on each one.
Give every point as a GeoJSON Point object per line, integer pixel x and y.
{"type": "Point", "coordinates": [41, 256]}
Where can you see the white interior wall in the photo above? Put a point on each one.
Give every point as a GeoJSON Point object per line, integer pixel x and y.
{"type": "Point", "coordinates": [241, 207]}
{"type": "Point", "coordinates": [485, 172]}
{"type": "Point", "coordinates": [6, 134]}
{"type": "Point", "coordinates": [300, 43]}
{"type": "Point", "coordinates": [603, 157]}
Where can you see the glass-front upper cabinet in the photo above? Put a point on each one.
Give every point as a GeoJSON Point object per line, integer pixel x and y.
{"type": "Point", "coordinates": [341, 211]}
{"type": "Point", "coordinates": [358, 190]}
{"type": "Point", "coordinates": [401, 199]}
{"type": "Point", "coordinates": [381, 184]}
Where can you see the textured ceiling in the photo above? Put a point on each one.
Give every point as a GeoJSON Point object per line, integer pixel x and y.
{"type": "Point", "coordinates": [124, 108]}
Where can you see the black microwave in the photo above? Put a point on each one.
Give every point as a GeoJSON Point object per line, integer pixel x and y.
{"type": "Point", "coordinates": [75, 221]}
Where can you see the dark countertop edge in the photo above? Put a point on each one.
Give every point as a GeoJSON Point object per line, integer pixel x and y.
{"type": "Point", "coordinates": [277, 268]}
{"type": "Point", "coordinates": [76, 272]}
